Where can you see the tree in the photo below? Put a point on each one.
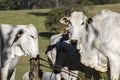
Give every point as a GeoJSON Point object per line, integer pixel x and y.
{"type": "Point", "coordinates": [3, 4]}
{"type": "Point", "coordinates": [52, 22]}
{"type": "Point", "coordinates": [57, 3]}
{"type": "Point", "coordinates": [29, 4]}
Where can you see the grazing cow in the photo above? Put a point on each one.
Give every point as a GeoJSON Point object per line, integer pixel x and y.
{"type": "Point", "coordinates": [100, 39]}
{"type": "Point", "coordinates": [67, 56]}
{"type": "Point", "coordinates": [16, 40]}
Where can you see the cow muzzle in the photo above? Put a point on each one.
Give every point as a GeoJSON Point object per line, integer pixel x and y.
{"type": "Point", "coordinates": [73, 42]}
{"type": "Point", "coordinates": [76, 44]}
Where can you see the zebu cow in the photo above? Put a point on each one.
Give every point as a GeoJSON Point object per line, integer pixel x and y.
{"type": "Point", "coordinates": [100, 39]}
{"type": "Point", "coordinates": [16, 40]}
{"type": "Point", "coordinates": [69, 58]}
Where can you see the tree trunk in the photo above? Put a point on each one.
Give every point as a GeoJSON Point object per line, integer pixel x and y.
{"type": "Point", "coordinates": [57, 3]}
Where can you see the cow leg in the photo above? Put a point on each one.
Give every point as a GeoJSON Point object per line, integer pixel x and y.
{"type": "Point", "coordinates": [88, 73]}
{"type": "Point", "coordinates": [10, 75]}
{"type": "Point", "coordinates": [75, 78]}
{"type": "Point", "coordinates": [96, 75]}
{"type": "Point", "coordinates": [114, 68]}
{"type": "Point", "coordinates": [13, 74]}
{"type": "Point", "coordinates": [108, 72]}
{"type": "Point", "coordinates": [58, 76]}
{"type": "Point", "coordinates": [4, 72]}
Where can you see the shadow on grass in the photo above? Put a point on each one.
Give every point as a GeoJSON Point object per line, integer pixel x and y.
{"type": "Point", "coordinates": [46, 34]}
{"type": "Point", "coordinates": [38, 13]}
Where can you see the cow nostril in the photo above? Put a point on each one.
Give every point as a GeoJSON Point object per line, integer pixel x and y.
{"type": "Point", "coordinates": [73, 42]}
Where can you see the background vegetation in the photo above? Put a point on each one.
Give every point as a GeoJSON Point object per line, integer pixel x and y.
{"type": "Point", "coordinates": [46, 20]}
{"type": "Point", "coordinates": [52, 22]}
{"type": "Point", "coordinates": [30, 4]}
{"type": "Point", "coordinates": [59, 8]}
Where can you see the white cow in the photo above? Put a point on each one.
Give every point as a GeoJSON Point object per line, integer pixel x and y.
{"type": "Point", "coordinates": [16, 40]}
{"type": "Point", "coordinates": [100, 39]}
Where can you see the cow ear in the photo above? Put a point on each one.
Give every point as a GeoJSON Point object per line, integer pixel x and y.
{"type": "Point", "coordinates": [90, 20]}
{"type": "Point", "coordinates": [64, 20]}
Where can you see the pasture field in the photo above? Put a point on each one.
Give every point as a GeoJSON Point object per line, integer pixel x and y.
{"type": "Point", "coordinates": [37, 17]}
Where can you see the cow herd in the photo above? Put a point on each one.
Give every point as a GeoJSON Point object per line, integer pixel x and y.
{"type": "Point", "coordinates": [88, 45]}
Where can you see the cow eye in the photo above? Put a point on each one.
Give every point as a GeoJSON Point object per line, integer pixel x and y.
{"type": "Point", "coordinates": [20, 32]}
{"type": "Point", "coordinates": [82, 23]}
{"type": "Point", "coordinates": [70, 23]}
{"type": "Point", "coordinates": [32, 36]}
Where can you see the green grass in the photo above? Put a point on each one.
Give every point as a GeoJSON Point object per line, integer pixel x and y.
{"type": "Point", "coordinates": [37, 17]}
{"type": "Point", "coordinates": [112, 7]}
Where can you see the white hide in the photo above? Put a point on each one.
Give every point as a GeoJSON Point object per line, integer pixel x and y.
{"type": "Point", "coordinates": [26, 44]}
{"type": "Point", "coordinates": [100, 40]}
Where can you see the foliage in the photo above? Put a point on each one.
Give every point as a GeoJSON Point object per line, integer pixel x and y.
{"type": "Point", "coordinates": [67, 3]}
{"type": "Point", "coordinates": [52, 21]}
{"type": "Point", "coordinates": [87, 2]}
{"type": "Point", "coordinates": [46, 3]}
{"type": "Point", "coordinates": [30, 4]}
{"type": "Point", "coordinates": [13, 4]}
{"type": "Point", "coordinates": [106, 1]}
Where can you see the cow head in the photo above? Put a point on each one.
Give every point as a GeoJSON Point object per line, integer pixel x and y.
{"type": "Point", "coordinates": [77, 25]}
{"type": "Point", "coordinates": [24, 41]}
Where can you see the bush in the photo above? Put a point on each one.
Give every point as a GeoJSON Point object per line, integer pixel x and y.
{"type": "Point", "coordinates": [52, 21]}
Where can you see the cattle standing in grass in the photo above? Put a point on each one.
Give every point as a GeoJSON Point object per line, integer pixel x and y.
{"type": "Point", "coordinates": [17, 40]}
{"type": "Point", "coordinates": [67, 56]}
{"type": "Point", "coordinates": [100, 39]}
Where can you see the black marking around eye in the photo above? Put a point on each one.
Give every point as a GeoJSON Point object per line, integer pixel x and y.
{"type": "Point", "coordinates": [20, 32]}
{"type": "Point", "coordinates": [17, 36]}
{"type": "Point", "coordinates": [82, 23]}
{"type": "Point", "coordinates": [32, 36]}
{"type": "Point", "coordinates": [70, 23]}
